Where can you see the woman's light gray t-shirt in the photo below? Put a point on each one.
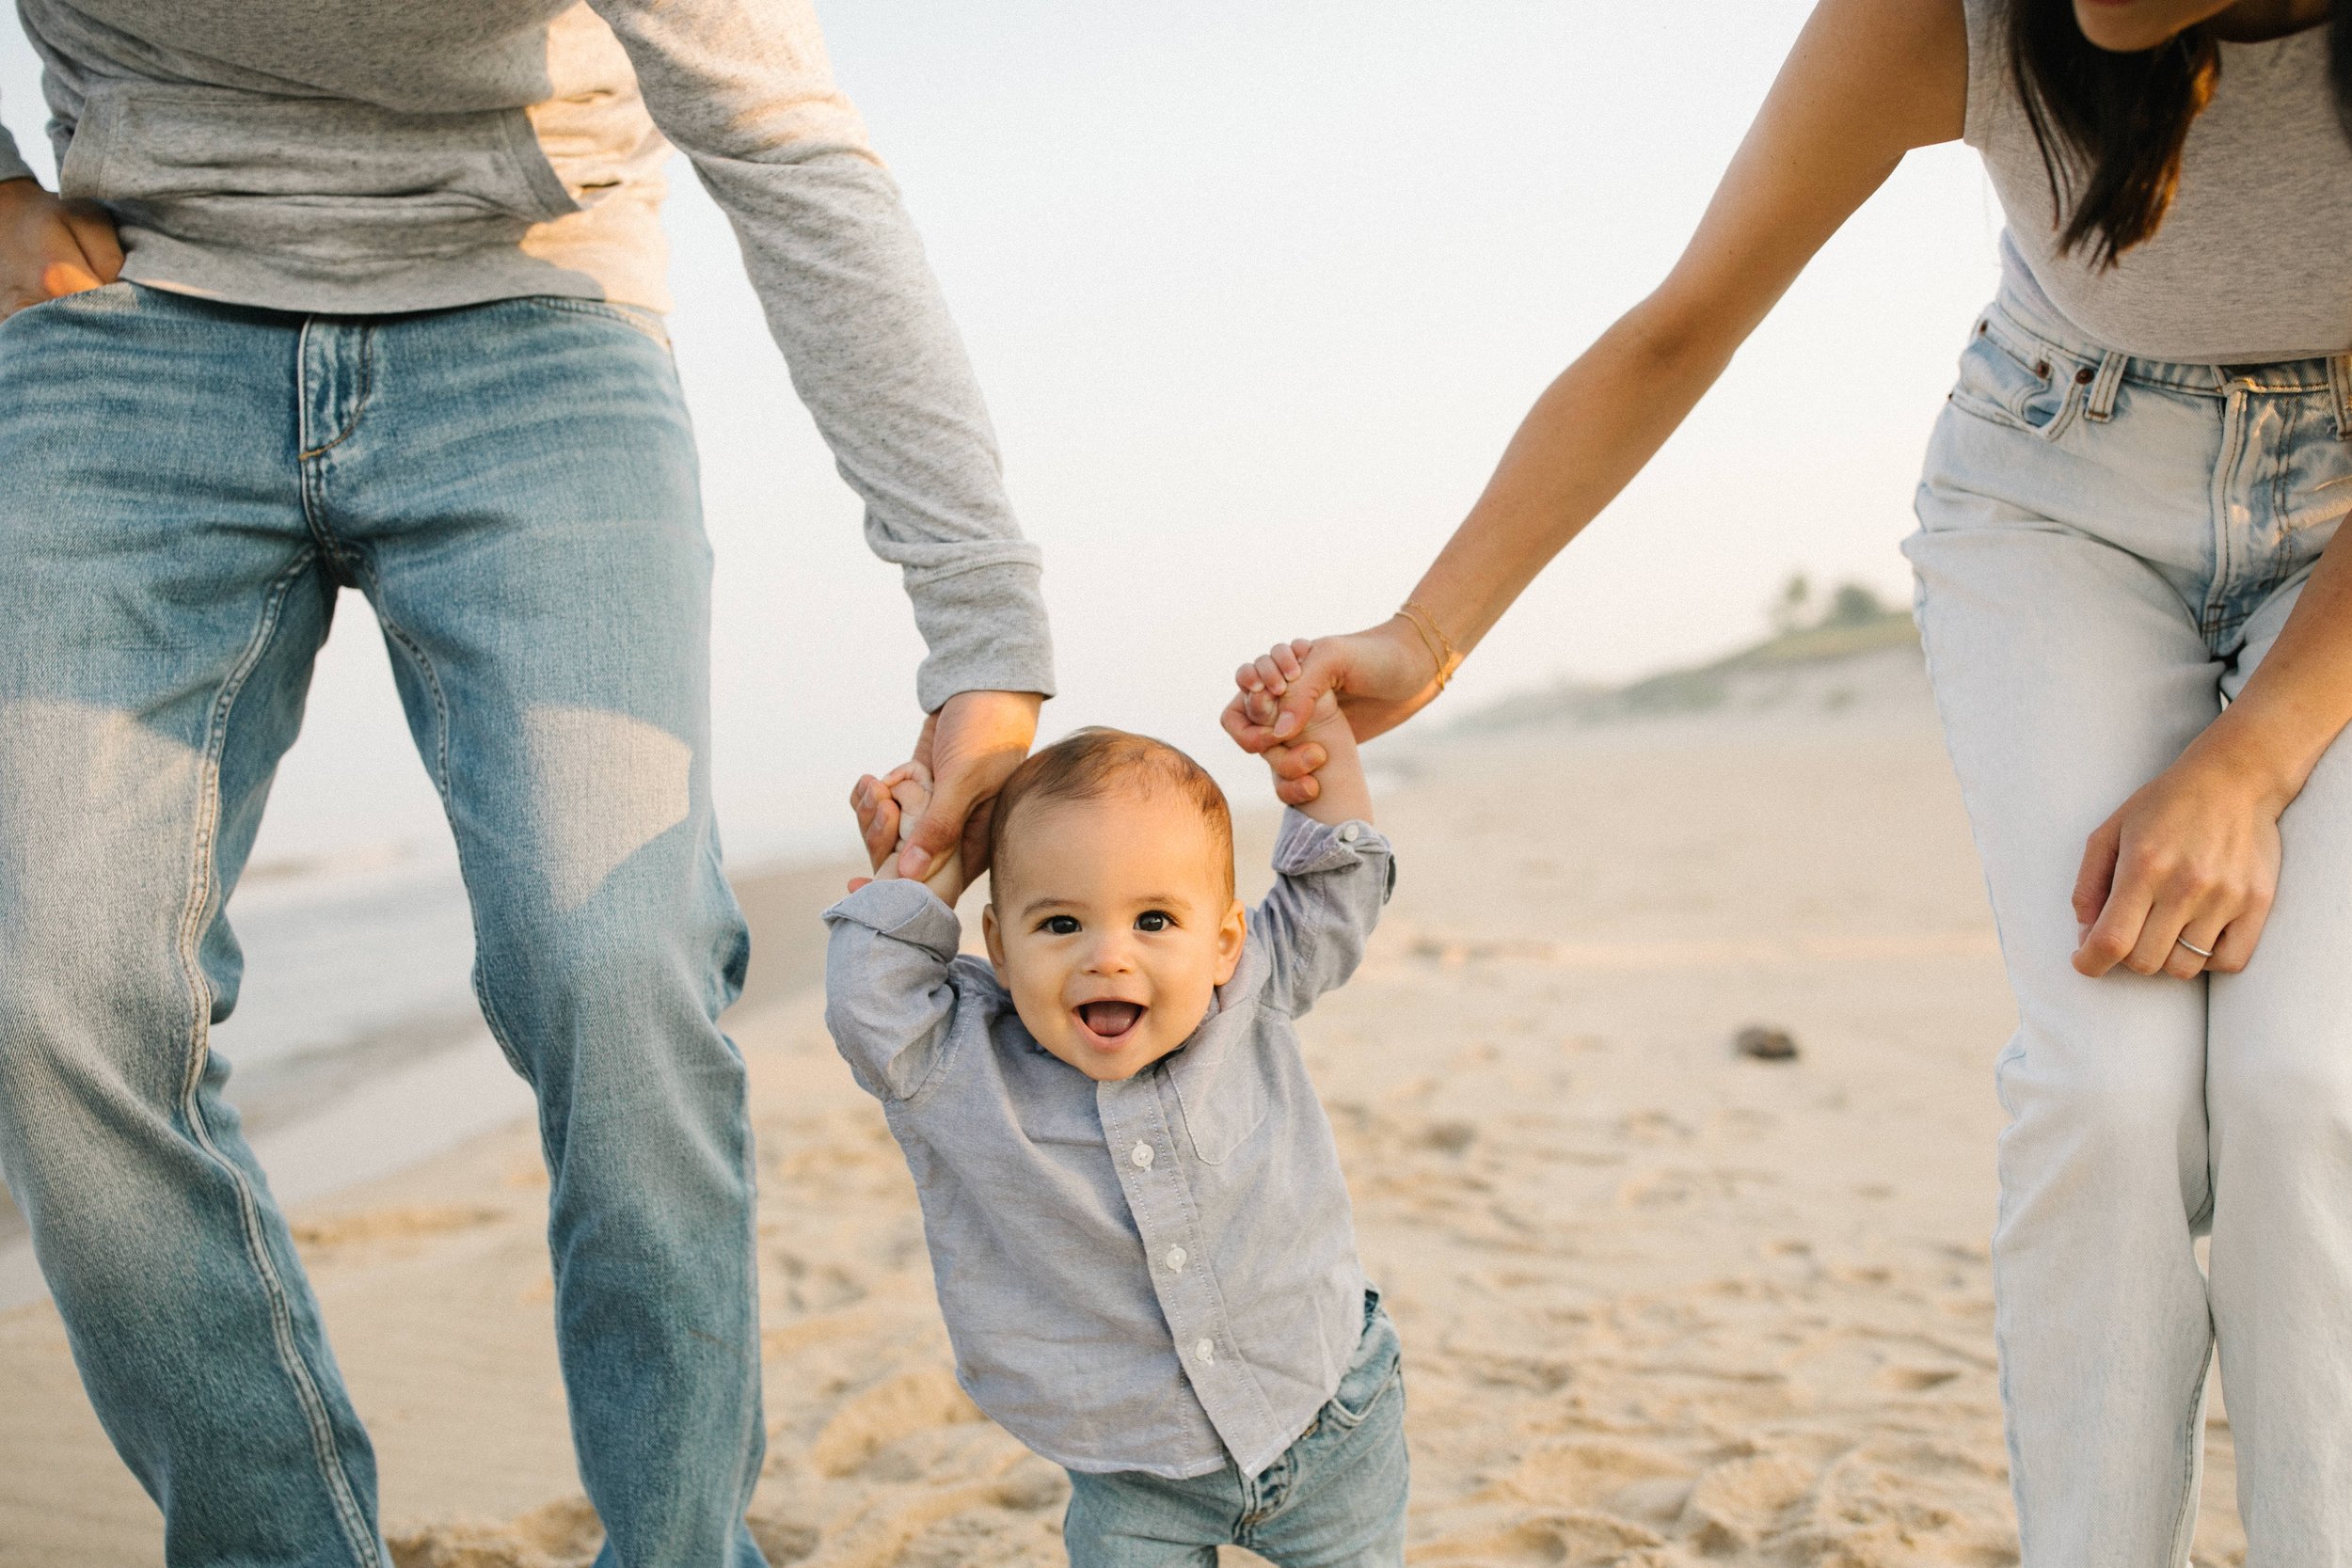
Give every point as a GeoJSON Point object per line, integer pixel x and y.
{"type": "Point", "coordinates": [2254, 260]}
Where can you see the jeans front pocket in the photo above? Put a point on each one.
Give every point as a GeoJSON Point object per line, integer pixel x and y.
{"type": "Point", "coordinates": [2020, 384]}
{"type": "Point", "coordinates": [1378, 1368]}
{"type": "Point", "coordinates": [114, 297]}
{"type": "Point", "coordinates": [640, 319]}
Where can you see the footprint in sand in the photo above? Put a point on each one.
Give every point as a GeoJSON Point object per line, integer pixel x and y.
{"type": "Point", "coordinates": [817, 1286]}
{"type": "Point", "coordinates": [783, 1540]}
{"type": "Point", "coordinates": [1572, 1538]}
{"type": "Point", "coordinates": [1737, 1503]}
{"type": "Point", "coordinates": [895, 1408]}
{"type": "Point", "coordinates": [1905, 1502]}
{"type": "Point", "coordinates": [1617, 1479]}
{"type": "Point", "coordinates": [1446, 1137]}
{"type": "Point", "coordinates": [562, 1534]}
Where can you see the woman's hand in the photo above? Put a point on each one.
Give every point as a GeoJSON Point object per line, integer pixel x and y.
{"type": "Point", "coordinates": [49, 248]}
{"type": "Point", "coordinates": [2192, 858]}
{"type": "Point", "coordinates": [1381, 676]}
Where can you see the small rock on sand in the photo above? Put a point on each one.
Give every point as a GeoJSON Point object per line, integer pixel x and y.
{"type": "Point", "coordinates": [1764, 1044]}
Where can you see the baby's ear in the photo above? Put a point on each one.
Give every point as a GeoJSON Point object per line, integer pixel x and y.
{"type": "Point", "coordinates": [1231, 934]}
{"type": "Point", "coordinates": [993, 935]}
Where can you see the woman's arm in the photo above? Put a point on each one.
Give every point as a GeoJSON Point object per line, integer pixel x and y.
{"type": "Point", "coordinates": [1867, 81]}
{"type": "Point", "coordinates": [2193, 857]}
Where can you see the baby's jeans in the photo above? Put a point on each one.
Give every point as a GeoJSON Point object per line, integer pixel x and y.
{"type": "Point", "coordinates": [2108, 549]}
{"type": "Point", "coordinates": [1335, 1498]}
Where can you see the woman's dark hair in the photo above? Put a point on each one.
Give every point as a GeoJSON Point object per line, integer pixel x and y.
{"type": "Point", "coordinates": [2110, 126]}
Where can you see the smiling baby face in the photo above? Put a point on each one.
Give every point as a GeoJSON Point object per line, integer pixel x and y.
{"type": "Point", "coordinates": [1112, 918]}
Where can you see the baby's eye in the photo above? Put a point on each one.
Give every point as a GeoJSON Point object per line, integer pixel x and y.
{"type": "Point", "coordinates": [1154, 920]}
{"type": "Point", "coordinates": [1059, 925]}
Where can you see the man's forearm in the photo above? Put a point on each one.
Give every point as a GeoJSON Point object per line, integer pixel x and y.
{"type": "Point", "coordinates": [746, 92]}
{"type": "Point", "coordinates": [877, 359]}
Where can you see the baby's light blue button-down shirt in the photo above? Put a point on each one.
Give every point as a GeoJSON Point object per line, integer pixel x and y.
{"type": "Point", "coordinates": [1150, 1274]}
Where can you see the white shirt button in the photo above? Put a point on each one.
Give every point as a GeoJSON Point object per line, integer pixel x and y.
{"type": "Point", "coordinates": [1350, 832]}
{"type": "Point", "coordinates": [1141, 1155]}
{"type": "Point", "coordinates": [1176, 1256]}
{"type": "Point", "coordinates": [1207, 1351]}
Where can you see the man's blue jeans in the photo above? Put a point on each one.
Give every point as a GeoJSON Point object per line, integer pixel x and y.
{"type": "Point", "coordinates": [185, 487]}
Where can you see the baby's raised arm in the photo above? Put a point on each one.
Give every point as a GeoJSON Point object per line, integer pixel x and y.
{"type": "Point", "coordinates": [888, 998]}
{"type": "Point", "coordinates": [1332, 870]}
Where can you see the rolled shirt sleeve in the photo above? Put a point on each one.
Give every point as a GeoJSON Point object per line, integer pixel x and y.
{"type": "Point", "coordinates": [1330, 885]}
{"type": "Point", "coordinates": [747, 92]}
{"type": "Point", "coordinates": [889, 1000]}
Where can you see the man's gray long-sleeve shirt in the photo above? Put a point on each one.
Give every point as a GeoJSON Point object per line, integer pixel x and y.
{"type": "Point", "coordinates": [345, 156]}
{"type": "Point", "coordinates": [1150, 1274]}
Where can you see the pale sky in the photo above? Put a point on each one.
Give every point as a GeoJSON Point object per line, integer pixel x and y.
{"type": "Point", "coordinates": [1257, 292]}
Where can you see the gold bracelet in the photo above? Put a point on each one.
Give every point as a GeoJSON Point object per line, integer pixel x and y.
{"type": "Point", "coordinates": [1419, 630]}
{"type": "Point", "coordinates": [1433, 636]}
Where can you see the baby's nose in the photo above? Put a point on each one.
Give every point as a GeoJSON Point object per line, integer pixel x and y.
{"type": "Point", "coordinates": [1112, 953]}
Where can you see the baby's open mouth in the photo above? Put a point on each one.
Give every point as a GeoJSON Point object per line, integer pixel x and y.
{"type": "Point", "coordinates": [1109, 1020]}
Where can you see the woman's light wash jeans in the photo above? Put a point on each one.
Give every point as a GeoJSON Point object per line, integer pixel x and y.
{"type": "Point", "coordinates": [1334, 1499]}
{"type": "Point", "coordinates": [184, 488]}
{"type": "Point", "coordinates": [2108, 549]}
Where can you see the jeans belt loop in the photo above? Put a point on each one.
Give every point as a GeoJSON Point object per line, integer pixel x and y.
{"type": "Point", "coordinates": [2339, 393]}
{"type": "Point", "coordinates": [2105, 386]}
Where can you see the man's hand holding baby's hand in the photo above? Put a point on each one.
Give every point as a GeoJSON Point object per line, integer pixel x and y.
{"type": "Point", "coordinates": [967, 751]}
{"type": "Point", "coordinates": [890, 810]}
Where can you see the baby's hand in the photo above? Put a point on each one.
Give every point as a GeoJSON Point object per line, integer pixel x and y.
{"type": "Point", "coordinates": [1326, 725]}
{"type": "Point", "coordinates": [888, 808]}
{"type": "Point", "coordinates": [1297, 760]}
{"type": "Point", "coordinates": [1317, 769]}
{"type": "Point", "coordinates": [1326, 737]}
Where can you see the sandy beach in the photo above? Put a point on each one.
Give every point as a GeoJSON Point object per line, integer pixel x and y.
{"type": "Point", "coordinates": [1662, 1303]}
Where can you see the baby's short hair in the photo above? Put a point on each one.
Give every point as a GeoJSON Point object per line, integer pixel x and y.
{"type": "Point", "coordinates": [1089, 763]}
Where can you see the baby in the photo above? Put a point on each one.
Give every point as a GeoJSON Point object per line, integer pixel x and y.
{"type": "Point", "coordinates": [1138, 1225]}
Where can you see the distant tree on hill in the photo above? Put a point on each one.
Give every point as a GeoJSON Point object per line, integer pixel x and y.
{"type": "Point", "coordinates": [1853, 605]}
{"type": "Point", "coordinates": [1794, 607]}
{"type": "Point", "coordinates": [1788, 612]}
